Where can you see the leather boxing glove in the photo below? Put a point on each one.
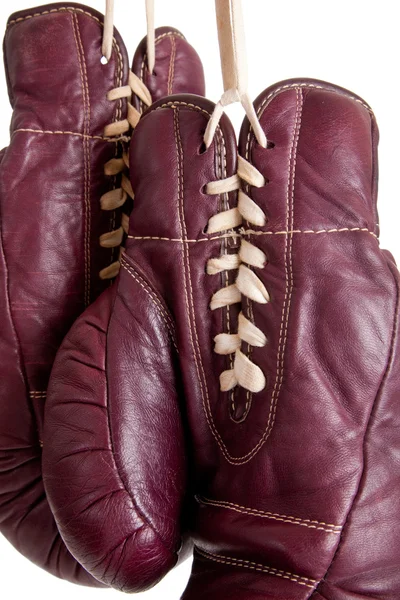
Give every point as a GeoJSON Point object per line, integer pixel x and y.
{"type": "Point", "coordinates": [253, 286]}
{"type": "Point", "coordinates": [297, 454]}
{"type": "Point", "coordinates": [71, 117]}
{"type": "Point", "coordinates": [296, 458]}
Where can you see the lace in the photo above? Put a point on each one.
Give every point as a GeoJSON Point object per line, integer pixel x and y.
{"type": "Point", "coordinates": [250, 258]}
{"type": "Point", "coordinates": [232, 45]}
{"type": "Point", "coordinates": [116, 198]}
{"type": "Point", "coordinates": [244, 372]}
{"type": "Point", "coordinates": [230, 97]}
{"type": "Point", "coordinates": [108, 33]}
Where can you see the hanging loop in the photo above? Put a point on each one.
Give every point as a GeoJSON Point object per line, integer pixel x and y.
{"type": "Point", "coordinates": [232, 45]}
{"type": "Point", "coordinates": [108, 33]}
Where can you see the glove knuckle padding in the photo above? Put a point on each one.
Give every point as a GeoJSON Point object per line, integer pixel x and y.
{"type": "Point", "coordinates": [110, 473]}
{"type": "Point", "coordinates": [115, 470]}
{"type": "Point", "coordinates": [304, 493]}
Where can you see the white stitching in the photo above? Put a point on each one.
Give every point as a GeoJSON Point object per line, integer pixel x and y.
{"type": "Point", "coordinates": [317, 231]}
{"type": "Point", "coordinates": [156, 41]}
{"type": "Point", "coordinates": [171, 71]}
{"type": "Point", "coordinates": [204, 391]}
{"type": "Point", "coordinates": [122, 138]}
{"type": "Point", "coordinates": [288, 291]}
{"type": "Point", "coordinates": [311, 524]}
{"type": "Point", "coordinates": [72, 9]}
{"type": "Point", "coordinates": [160, 308]}
{"type": "Point", "coordinates": [251, 232]}
{"type": "Point", "coordinates": [310, 86]}
{"type": "Point", "coordinates": [86, 150]}
{"type": "Point", "coordinates": [247, 564]}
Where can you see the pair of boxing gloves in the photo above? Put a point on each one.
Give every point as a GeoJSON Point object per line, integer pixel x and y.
{"type": "Point", "coordinates": [237, 386]}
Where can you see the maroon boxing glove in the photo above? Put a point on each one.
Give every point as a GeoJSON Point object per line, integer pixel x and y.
{"type": "Point", "coordinates": [255, 289]}
{"type": "Point", "coordinates": [298, 460]}
{"type": "Point", "coordinates": [297, 470]}
{"type": "Point", "coordinates": [72, 115]}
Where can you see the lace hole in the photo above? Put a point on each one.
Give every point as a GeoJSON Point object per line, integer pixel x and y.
{"type": "Point", "coordinates": [202, 149]}
{"type": "Point", "coordinates": [104, 60]}
{"type": "Point", "coordinates": [270, 145]}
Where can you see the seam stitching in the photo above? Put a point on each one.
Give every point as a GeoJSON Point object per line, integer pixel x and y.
{"type": "Point", "coordinates": [86, 151]}
{"type": "Point", "coordinates": [202, 380]}
{"type": "Point", "coordinates": [118, 77]}
{"type": "Point", "coordinates": [288, 291]}
{"type": "Point", "coordinates": [156, 41]}
{"type": "Point", "coordinates": [247, 564]}
{"type": "Point", "coordinates": [309, 86]}
{"type": "Point", "coordinates": [191, 312]}
{"type": "Point", "coordinates": [377, 398]}
{"type": "Point", "coordinates": [122, 138]}
{"type": "Point", "coordinates": [182, 226]}
{"type": "Point", "coordinates": [171, 72]}
{"type": "Point", "coordinates": [250, 232]}
{"type": "Point", "coordinates": [186, 271]}
{"type": "Point", "coordinates": [72, 9]}
{"type": "Point", "coordinates": [160, 308]}
{"type": "Point", "coordinates": [309, 523]}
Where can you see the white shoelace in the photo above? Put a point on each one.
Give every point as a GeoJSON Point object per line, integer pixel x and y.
{"type": "Point", "coordinates": [108, 33]}
{"type": "Point", "coordinates": [244, 372]}
{"type": "Point", "coordinates": [116, 198]}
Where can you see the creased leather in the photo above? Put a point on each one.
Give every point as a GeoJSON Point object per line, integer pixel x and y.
{"type": "Point", "coordinates": [120, 513]}
{"type": "Point", "coordinates": [51, 181]}
{"type": "Point", "coordinates": [297, 485]}
{"type": "Point", "coordinates": [302, 501]}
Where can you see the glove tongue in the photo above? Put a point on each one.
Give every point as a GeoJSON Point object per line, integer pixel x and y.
{"type": "Point", "coordinates": [335, 156]}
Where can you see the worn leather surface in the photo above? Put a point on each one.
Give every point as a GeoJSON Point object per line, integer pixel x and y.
{"type": "Point", "coordinates": [119, 510]}
{"type": "Point", "coordinates": [51, 180]}
{"type": "Point", "coordinates": [297, 486]}
{"type": "Point", "coordinates": [178, 68]}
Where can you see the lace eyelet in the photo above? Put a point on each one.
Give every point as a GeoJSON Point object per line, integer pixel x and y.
{"type": "Point", "coordinates": [116, 197]}
{"type": "Point", "coordinates": [243, 372]}
{"type": "Point", "coordinates": [202, 150]}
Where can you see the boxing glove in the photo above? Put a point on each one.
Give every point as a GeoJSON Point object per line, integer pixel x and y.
{"type": "Point", "coordinates": [280, 335]}
{"type": "Point", "coordinates": [297, 453]}
{"type": "Point", "coordinates": [263, 299]}
{"type": "Point", "coordinates": [261, 276]}
{"type": "Point", "coordinates": [71, 123]}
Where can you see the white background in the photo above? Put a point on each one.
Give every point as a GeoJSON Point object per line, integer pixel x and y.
{"type": "Point", "coordinates": [352, 43]}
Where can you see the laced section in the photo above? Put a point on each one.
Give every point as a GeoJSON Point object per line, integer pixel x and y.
{"type": "Point", "coordinates": [116, 198]}
{"type": "Point", "coordinates": [244, 373]}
